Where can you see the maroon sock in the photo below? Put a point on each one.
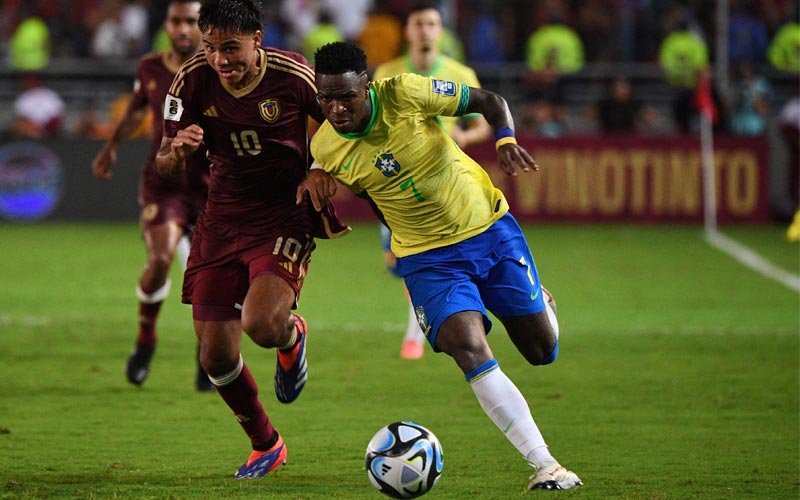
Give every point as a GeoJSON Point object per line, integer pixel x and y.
{"type": "Point", "coordinates": [241, 395]}
{"type": "Point", "coordinates": [148, 313]}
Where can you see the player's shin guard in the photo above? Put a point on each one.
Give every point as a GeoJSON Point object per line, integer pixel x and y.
{"type": "Point", "coordinates": [507, 408]}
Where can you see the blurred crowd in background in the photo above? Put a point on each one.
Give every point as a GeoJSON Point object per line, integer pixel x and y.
{"type": "Point", "coordinates": [483, 31]}
{"type": "Point", "coordinates": [551, 40]}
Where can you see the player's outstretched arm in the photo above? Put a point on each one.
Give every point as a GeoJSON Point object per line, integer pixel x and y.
{"type": "Point", "coordinates": [319, 185]}
{"type": "Point", "coordinates": [133, 116]}
{"type": "Point", "coordinates": [172, 154]}
{"type": "Point", "coordinates": [512, 157]}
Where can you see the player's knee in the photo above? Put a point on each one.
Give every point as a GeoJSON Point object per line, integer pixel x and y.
{"type": "Point", "coordinates": [462, 348]}
{"type": "Point", "coordinates": [552, 356]}
{"type": "Point", "coordinates": [159, 262]}
{"type": "Point", "coordinates": [217, 363]}
{"type": "Point", "coordinates": [546, 354]}
{"type": "Point", "coordinates": [265, 330]}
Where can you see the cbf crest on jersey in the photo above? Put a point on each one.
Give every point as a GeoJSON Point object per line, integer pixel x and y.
{"type": "Point", "coordinates": [443, 87]}
{"type": "Point", "coordinates": [386, 163]}
{"type": "Point", "coordinates": [270, 110]}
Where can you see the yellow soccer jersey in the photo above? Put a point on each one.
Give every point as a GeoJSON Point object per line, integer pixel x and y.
{"type": "Point", "coordinates": [430, 192]}
{"type": "Point", "coordinates": [445, 68]}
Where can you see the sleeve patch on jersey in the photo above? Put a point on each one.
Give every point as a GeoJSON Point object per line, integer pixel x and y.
{"type": "Point", "coordinates": [443, 87]}
{"type": "Point", "coordinates": [173, 108]}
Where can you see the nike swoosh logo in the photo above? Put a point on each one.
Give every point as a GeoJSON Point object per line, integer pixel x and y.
{"type": "Point", "coordinates": [509, 426]}
{"type": "Point", "coordinates": [534, 295]}
{"type": "Point", "coordinates": [346, 166]}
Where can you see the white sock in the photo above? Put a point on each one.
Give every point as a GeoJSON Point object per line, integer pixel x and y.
{"type": "Point", "coordinates": [505, 405]}
{"type": "Point", "coordinates": [153, 297]}
{"type": "Point", "coordinates": [182, 250]}
{"type": "Point", "coordinates": [413, 331]}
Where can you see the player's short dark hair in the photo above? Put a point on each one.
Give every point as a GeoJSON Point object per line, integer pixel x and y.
{"type": "Point", "coordinates": [340, 57]}
{"type": "Point", "coordinates": [243, 16]}
{"type": "Point", "coordinates": [421, 5]}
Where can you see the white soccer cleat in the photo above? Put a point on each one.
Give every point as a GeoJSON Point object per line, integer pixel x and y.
{"type": "Point", "coordinates": [554, 477]}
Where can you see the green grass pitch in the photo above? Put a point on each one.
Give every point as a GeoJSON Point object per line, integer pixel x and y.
{"type": "Point", "coordinates": [678, 375]}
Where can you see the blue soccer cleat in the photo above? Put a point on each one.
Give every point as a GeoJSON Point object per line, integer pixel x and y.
{"type": "Point", "coordinates": [289, 382]}
{"type": "Point", "coordinates": [261, 462]}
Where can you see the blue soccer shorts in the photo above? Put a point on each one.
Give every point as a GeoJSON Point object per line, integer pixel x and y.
{"type": "Point", "coordinates": [492, 271]}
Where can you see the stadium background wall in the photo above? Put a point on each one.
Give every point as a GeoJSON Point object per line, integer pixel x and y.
{"type": "Point", "coordinates": [583, 179]}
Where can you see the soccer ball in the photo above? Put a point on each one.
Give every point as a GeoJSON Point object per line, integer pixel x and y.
{"type": "Point", "coordinates": [404, 460]}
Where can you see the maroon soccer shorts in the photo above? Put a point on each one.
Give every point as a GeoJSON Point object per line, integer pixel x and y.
{"type": "Point", "coordinates": [222, 266]}
{"type": "Point", "coordinates": [179, 208]}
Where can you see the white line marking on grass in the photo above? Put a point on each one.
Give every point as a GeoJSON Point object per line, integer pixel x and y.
{"type": "Point", "coordinates": [24, 320]}
{"type": "Point", "coordinates": [752, 260]}
{"type": "Point", "coordinates": [709, 330]}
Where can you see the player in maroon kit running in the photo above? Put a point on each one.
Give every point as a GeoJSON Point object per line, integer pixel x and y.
{"type": "Point", "coordinates": [250, 106]}
{"type": "Point", "coordinates": [169, 207]}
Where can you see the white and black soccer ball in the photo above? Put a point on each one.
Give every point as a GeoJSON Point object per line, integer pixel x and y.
{"type": "Point", "coordinates": [404, 460]}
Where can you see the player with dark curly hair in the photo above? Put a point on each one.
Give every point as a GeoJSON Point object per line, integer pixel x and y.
{"type": "Point", "coordinates": [459, 250]}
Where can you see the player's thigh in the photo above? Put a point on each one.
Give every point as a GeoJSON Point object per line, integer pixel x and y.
{"type": "Point", "coordinates": [161, 239]}
{"type": "Point", "coordinates": [277, 268]}
{"type": "Point", "coordinates": [266, 309]}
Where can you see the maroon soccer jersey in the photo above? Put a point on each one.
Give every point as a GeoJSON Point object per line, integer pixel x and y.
{"type": "Point", "coordinates": [153, 78]}
{"type": "Point", "coordinates": [256, 137]}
